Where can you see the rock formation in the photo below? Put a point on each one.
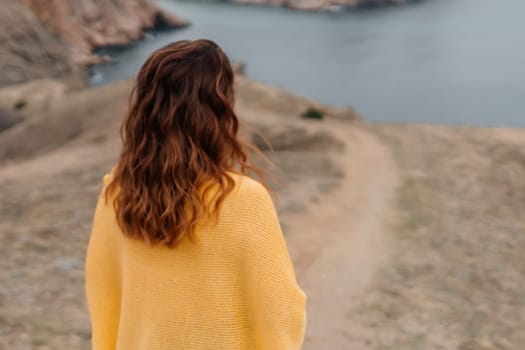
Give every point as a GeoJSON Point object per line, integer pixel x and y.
{"type": "Point", "coordinates": [55, 38]}
{"type": "Point", "coordinates": [87, 24]}
{"type": "Point", "coordinates": [29, 51]}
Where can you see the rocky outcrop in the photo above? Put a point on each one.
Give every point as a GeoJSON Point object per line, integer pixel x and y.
{"type": "Point", "coordinates": [328, 5]}
{"type": "Point", "coordinates": [88, 24]}
{"type": "Point", "coordinates": [29, 51]}
{"type": "Point", "coordinates": [42, 39]}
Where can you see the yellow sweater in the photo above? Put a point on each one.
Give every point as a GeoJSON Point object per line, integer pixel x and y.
{"type": "Point", "coordinates": [234, 289]}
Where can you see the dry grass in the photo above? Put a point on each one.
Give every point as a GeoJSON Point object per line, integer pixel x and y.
{"type": "Point", "coordinates": [50, 177]}
{"type": "Point", "coordinates": [456, 278]}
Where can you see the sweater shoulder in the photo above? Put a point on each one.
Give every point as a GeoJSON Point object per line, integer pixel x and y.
{"type": "Point", "coordinates": [249, 190]}
{"type": "Point", "coordinates": [251, 204]}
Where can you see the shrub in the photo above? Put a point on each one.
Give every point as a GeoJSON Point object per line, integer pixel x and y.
{"type": "Point", "coordinates": [20, 104]}
{"type": "Point", "coordinates": [312, 113]}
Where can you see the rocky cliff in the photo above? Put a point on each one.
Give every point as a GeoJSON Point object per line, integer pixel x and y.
{"type": "Point", "coordinates": [29, 51]}
{"type": "Point", "coordinates": [87, 24]}
{"type": "Point", "coordinates": [55, 38]}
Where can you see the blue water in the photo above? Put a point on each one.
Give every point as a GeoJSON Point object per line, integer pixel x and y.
{"type": "Point", "coordinates": [437, 61]}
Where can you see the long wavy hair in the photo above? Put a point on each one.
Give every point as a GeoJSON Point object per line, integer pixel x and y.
{"type": "Point", "coordinates": [180, 133]}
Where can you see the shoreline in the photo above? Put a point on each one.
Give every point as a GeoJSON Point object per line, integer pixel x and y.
{"type": "Point", "coordinates": [83, 30]}
{"type": "Point", "coordinates": [415, 229]}
{"type": "Point", "coordinates": [328, 6]}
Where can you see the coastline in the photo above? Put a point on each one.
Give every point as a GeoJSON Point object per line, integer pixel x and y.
{"type": "Point", "coordinates": [57, 40]}
{"type": "Point", "coordinates": [415, 230]}
{"type": "Point", "coordinates": [86, 27]}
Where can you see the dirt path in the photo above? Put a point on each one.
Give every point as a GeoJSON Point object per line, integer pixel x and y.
{"type": "Point", "coordinates": [339, 244]}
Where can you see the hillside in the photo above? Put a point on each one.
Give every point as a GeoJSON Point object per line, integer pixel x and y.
{"type": "Point", "coordinates": [55, 39]}
{"type": "Point", "coordinates": [87, 24]}
{"type": "Point", "coordinates": [403, 236]}
{"type": "Point", "coordinates": [396, 239]}
{"type": "Point", "coordinates": [29, 51]}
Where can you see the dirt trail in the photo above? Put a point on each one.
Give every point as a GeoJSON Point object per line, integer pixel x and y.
{"type": "Point", "coordinates": [339, 244]}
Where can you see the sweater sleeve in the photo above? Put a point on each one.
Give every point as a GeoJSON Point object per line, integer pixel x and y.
{"type": "Point", "coordinates": [103, 277]}
{"type": "Point", "coordinates": [276, 302]}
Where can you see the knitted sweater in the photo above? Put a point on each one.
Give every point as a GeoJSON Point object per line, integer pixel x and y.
{"type": "Point", "coordinates": [233, 289]}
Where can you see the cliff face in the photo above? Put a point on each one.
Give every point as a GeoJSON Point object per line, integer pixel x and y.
{"type": "Point", "coordinates": [55, 38]}
{"type": "Point", "coordinates": [87, 24]}
{"type": "Point", "coordinates": [29, 51]}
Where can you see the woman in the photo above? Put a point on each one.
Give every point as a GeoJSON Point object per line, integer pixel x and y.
{"type": "Point", "coordinates": [186, 252]}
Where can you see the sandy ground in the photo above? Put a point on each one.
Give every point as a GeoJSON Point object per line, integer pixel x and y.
{"type": "Point", "coordinates": [456, 269]}
{"type": "Point", "coordinates": [339, 243]}
{"type": "Point", "coordinates": [403, 236]}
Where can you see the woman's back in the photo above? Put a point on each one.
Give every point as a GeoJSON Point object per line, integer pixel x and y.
{"type": "Point", "coordinates": [186, 252]}
{"type": "Point", "coordinates": [233, 287]}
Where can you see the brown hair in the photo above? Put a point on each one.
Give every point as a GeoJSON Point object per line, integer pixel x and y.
{"type": "Point", "coordinates": [180, 132]}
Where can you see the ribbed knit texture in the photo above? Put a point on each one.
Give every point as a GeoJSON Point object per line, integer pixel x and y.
{"type": "Point", "coordinates": [234, 289]}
